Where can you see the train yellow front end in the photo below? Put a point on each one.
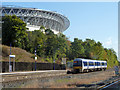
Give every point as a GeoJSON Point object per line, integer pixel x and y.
{"type": "Point", "coordinates": [77, 66]}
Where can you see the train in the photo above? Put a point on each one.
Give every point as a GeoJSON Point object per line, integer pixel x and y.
{"type": "Point", "coordinates": [86, 65]}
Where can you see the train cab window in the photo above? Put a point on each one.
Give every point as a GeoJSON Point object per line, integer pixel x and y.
{"type": "Point", "coordinates": [85, 63]}
{"type": "Point", "coordinates": [80, 63]}
{"type": "Point", "coordinates": [77, 63]}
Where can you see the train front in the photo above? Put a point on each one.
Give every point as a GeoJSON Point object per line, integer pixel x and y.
{"type": "Point", "coordinates": [77, 65]}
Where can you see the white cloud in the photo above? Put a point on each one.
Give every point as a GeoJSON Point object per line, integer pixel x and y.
{"type": "Point", "coordinates": [108, 42]}
{"type": "Point", "coordinates": [111, 43]}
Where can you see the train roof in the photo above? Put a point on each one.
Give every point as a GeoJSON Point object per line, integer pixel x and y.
{"type": "Point", "coordinates": [79, 59]}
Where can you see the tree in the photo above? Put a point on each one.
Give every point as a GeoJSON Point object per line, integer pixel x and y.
{"type": "Point", "coordinates": [98, 51]}
{"type": "Point", "coordinates": [37, 40]}
{"type": "Point", "coordinates": [14, 29]}
{"type": "Point", "coordinates": [49, 32]}
{"type": "Point", "coordinates": [51, 43]}
{"type": "Point", "coordinates": [88, 45]}
{"type": "Point", "coordinates": [62, 46]}
{"type": "Point", "coordinates": [77, 48]}
{"type": "Point", "coordinates": [52, 46]}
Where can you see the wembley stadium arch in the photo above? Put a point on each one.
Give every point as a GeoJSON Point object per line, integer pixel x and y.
{"type": "Point", "coordinates": [35, 18]}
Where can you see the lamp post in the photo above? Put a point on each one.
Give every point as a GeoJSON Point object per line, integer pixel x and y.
{"type": "Point", "coordinates": [54, 65]}
{"type": "Point", "coordinates": [10, 59]}
{"type": "Point", "coordinates": [10, 66]}
{"type": "Point", "coordinates": [15, 42]}
{"type": "Point", "coordinates": [14, 58]}
{"type": "Point", "coordinates": [35, 57]}
{"type": "Point", "coordinates": [54, 59]}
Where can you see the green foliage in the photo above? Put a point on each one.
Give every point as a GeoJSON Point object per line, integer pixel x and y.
{"type": "Point", "coordinates": [77, 48]}
{"type": "Point", "coordinates": [51, 46]}
{"type": "Point", "coordinates": [14, 32]}
{"type": "Point", "coordinates": [37, 40]}
{"type": "Point", "coordinates": [50, 60]}
{"type": "Point", "coordinates": [42, 27]}
{"type": "Point", "coordinates": [111, 57]}
{"type": "Point", "coordinates": [93, 50]}
{"type": "Point", "coordinates": [48, 45]}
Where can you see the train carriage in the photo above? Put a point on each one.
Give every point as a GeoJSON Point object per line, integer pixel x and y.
{"type": "Point", "coordinates": [86, 65]}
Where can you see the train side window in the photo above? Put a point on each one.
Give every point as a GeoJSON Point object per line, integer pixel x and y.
{"type": "Point", "coordinates": [85, 63]}
{"type": "Point", "coordinates": [106, 64]}
{"type": "Point", "coordinates": [98, 63]}
{"type": "Point", "coordinates": [95, 63]}
{"type": "Point", "coordinates": [91, 64]}
{"type": "Point", "coordinates": [102, 63]}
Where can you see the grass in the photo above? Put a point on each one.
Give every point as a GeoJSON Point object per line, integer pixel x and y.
{"type": "Point", "coordinates": [63, 80]}
{"type": "Point", "coordinates": [20, 54]}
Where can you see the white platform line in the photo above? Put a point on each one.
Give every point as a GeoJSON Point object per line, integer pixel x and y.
{"type": "Point", "coordinates": [27, 72]}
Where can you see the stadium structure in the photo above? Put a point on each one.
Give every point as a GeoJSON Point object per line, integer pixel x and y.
{"type": "Point", "coordinates": [35, 18]}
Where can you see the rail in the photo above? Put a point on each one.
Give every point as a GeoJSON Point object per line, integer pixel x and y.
{"type": "Point", "coordinates": [110, 83]}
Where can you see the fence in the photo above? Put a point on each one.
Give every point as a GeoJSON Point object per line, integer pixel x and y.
{"type": "Point", "coordinates": [30, 66]}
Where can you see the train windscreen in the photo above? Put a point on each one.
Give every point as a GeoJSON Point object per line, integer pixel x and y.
{"type": "Point", "coordinates": [77, 63]}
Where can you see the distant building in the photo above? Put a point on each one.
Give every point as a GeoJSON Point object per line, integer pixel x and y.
{"type": "Point", "coordinates": [35, 18]}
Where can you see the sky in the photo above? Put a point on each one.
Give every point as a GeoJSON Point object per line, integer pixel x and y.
{"type": "Point", "coordinates": [93, 20]}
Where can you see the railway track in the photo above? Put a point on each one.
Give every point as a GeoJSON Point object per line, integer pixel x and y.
{"type": "Point", "coordinates": [16, 76]}
{"type": "Point", "coordinates": [111, 84]}
{"type": "Point", "coordinates": [46, 76]}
